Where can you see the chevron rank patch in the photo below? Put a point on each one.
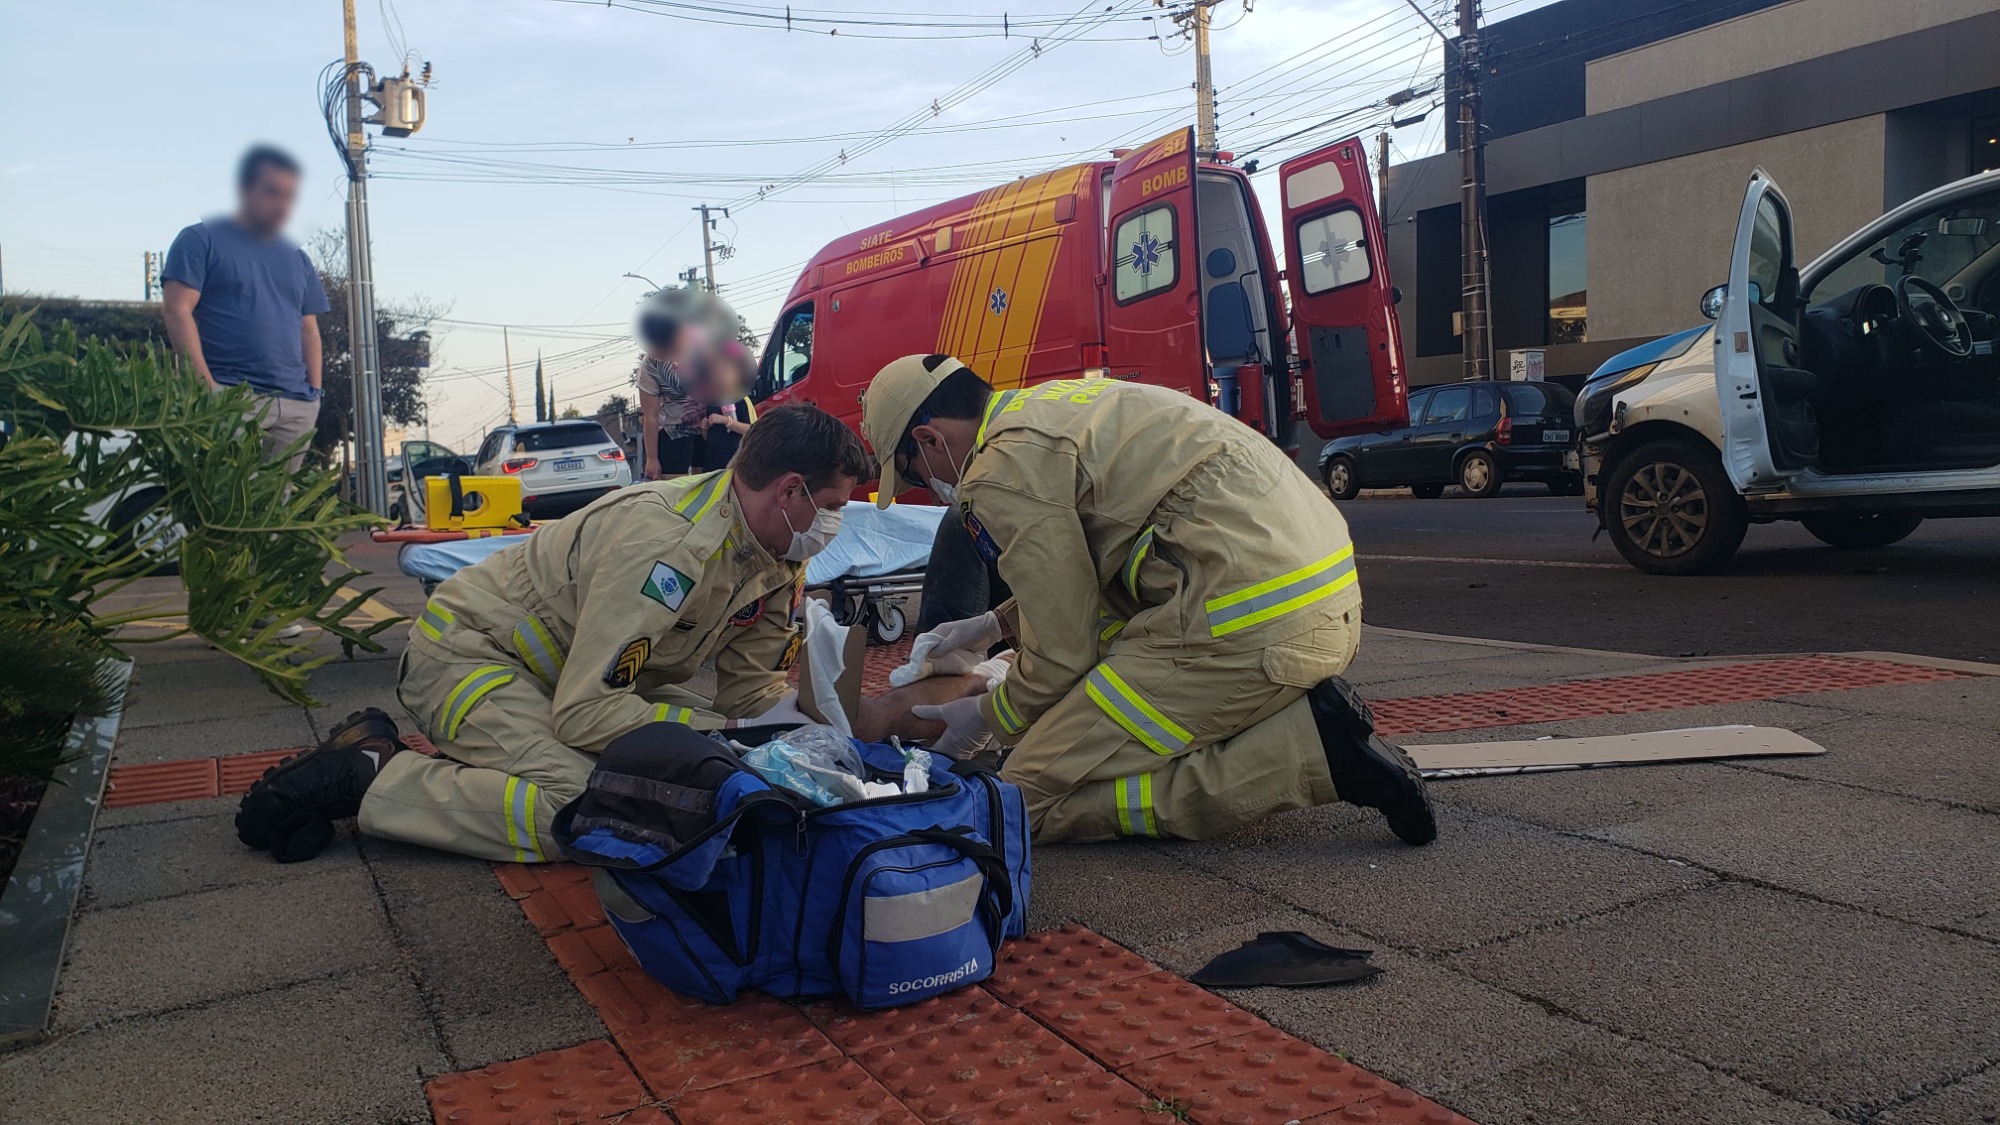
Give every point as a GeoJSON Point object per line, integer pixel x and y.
{"type": "Point", "coordinates": [626, 665]}
{"type": "Point", "coordinates": [792, 647]}
{"type": "Point", "coordinates": [667, 586]}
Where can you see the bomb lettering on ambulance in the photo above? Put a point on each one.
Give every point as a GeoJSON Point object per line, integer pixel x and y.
{"type": "Point", "coordinates": [1163, 181]}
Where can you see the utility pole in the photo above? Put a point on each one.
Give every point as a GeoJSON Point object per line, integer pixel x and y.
{"type": "Point", "coordinates": [152, 274]}
{"type": "Point", "coordinates": [1194, 20]}
{"type": "Point", "coordinates": [708, 244]}
{"type": "Point", "coordinates": [1476, 280]}
{"type": "Point", "coordinates": [367, 371]}
{"type": "Point", "coordinates": [1204, 82]}
{"type": "Point", "coordinates": [507, 349]}
{"type": "Point", "coordinates": [1382, 173]}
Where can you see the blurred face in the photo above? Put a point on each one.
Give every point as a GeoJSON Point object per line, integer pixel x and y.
{"type": "Point", "coordinates": [266, 205]}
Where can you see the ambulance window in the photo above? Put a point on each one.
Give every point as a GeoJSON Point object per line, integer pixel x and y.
{"type": "Point", "coordinates": [1333, 251]}
{"type": "Point", "coordinates": [1146, 260]}
{"type": "Point", "coordinates": [791, 348]}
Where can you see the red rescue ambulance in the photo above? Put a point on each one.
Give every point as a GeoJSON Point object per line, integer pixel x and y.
{"type": "Point", "coordinates": [1153, 267]}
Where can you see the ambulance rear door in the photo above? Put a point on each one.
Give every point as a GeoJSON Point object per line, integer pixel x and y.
{"type": "Point", "coordinates": [1343, 308]}
{"type": "Point", "coordinates": [1152, 298]}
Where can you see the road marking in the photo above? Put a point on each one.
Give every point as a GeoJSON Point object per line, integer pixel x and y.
{"type": "Point", "coordinates": [1559, 563]}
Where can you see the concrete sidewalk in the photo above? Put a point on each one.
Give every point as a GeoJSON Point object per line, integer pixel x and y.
{"type": "Point", "coordinates": [1780, 941]}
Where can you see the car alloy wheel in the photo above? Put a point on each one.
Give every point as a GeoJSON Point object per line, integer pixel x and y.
{"type": "Point", "coordinates": [1340, 479]}
{"type": "Point", "coordinates": [1664, 509]}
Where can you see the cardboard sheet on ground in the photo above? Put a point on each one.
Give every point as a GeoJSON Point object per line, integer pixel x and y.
{"type": "Point", "coordinates": [1476, 759]}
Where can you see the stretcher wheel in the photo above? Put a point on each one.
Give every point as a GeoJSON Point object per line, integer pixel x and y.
{"type": "Point", "coordinates": [886, 623]}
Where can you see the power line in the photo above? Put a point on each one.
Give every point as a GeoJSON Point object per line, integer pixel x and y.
{"type": "Point", "coordinates": [998, 26]}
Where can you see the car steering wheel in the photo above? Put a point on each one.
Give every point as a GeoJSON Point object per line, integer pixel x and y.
{"type": "Point", "coordinates": [1940, 327]}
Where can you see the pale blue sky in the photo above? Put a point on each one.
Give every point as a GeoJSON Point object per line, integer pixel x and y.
{"type": "Point", "coordinates": [124, 120]}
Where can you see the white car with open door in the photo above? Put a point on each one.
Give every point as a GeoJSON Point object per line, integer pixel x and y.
{"type": "Point", "coordinates": [1859, 395]}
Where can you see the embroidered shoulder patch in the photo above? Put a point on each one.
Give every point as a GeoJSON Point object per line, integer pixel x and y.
{"type": "Point", "coordinates": [748, 615]}
{"type": "Point", "coordinates": [981, 539]}
{"type": "Point", "coordinates": [625, 667]}
{"type": "Point", "coordinates": [792, 648]}
{"type": "Point", "coordinates": [667, 586]}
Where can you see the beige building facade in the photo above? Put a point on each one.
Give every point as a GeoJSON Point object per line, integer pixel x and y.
{"type": "Point", "coordinates": [1616, 168]}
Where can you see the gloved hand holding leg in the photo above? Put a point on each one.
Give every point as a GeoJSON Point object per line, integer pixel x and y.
{"type": "Point", "coordinates": [953, 648]}
{"type": "Point", "coordinates": [965, 729]}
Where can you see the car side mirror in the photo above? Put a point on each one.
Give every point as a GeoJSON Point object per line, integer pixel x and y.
{"type": "Point", "coordinates": [1711, 301]}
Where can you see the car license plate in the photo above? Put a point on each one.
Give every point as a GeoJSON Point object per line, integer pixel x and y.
{"type": "Point", "coordinates": [572, 464]}
{"type": "Point", "coordinates": [1549, 437]}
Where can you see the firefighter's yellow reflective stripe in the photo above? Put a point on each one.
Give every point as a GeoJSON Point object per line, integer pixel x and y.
{"type": "Point", "coordinates": [702, 495]}
{"type": "Point", "coordinates": [1141, 547]}
{"type": "Point", "coordinates": [468, 693]}
{"type": "Point", "coordinates": [1004, 710]}
{"type": "Point", "coordinates": [520, 801]}
{"type": "Point", "coordinates": [1135, 805]}
{"type": "Point", "coordinates": [751, 407]}
{"type": "Point", "coordinates": [994, 405]}
{"type": "Point", "coordinates": [668, 713]}
{"type": "Point", "coordinates": [538, 650]}
{"type": "Point", "coordinates": [1281, 595]}
{"type": "Point", "coordinates": [433, 620]}
{"type": "Point", "coordinates": [1130, 710]}
{"type": "Point", "coordinates": [1108, 626]}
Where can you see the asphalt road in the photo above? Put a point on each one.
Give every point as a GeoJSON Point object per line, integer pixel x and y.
{"type": "Point", "coordinates": [1522, 567]}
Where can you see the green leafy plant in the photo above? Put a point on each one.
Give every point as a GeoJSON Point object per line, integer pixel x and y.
{"type": "Point", "coordinates": [90, 423]}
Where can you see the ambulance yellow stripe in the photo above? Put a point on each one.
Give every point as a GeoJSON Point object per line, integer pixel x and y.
{"type": "Point", "coordinates": [1007, 340]}
{"type": "Point", "coordinates": [959, 305]}
{"type": "Point", "coordinates": [962, 239]}
{"type": "Point", "coordinates": [972, 304]}
{"type": "Point", "coordinates": [1034, 296]}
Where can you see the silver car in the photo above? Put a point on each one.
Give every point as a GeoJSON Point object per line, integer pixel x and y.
{"type": "Point", "coordinates": [562, 465]}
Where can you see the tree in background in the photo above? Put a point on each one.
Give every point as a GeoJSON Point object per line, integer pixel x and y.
{"type": "Point", "coordinates": [541, 393]}
{"type": "Point", "coordinates": [618, 406]}
{"type": "Point", "coordinates": [403, 344]}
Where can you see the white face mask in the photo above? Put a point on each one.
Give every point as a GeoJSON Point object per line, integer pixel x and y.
{"type": "Point", "coordinates": [817, 535]}
{"type": "Point", "coordinates": [946, 494]}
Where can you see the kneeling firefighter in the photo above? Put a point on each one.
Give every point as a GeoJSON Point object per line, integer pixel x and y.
{"type": "Point", "coordinates": [1185, 600]}
{"type": "Point", "coordinates": [525, 666]}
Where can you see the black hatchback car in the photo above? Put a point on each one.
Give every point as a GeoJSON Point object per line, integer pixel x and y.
{"type": "Point", "coordinates": [1475, 435]}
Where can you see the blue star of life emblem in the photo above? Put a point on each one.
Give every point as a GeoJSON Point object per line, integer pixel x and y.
{"type": "Point", "coordinates": [1146, 253]}
{"type": "Point", "coordinates": [997, 301]}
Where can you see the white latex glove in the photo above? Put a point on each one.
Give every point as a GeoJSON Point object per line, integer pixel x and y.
{"type": "Point", "coordinates": [954, 648]}
{"type": "Point", "coordinates": [965, 729]}
{"type": "Point", "coordinates": [784, 711]}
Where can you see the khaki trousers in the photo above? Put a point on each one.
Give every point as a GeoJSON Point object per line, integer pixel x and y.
{"type": "Point", "coordinates": [284, 421]}
{"type": "Point", "coordinates": [1166, 741]}
{"type": "Point", "coordinates": [502, 775]}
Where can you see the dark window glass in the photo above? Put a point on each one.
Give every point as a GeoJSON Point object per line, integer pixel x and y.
{"type": "Point", "coordinates": [1418, 400]}
{"type": "Point", "coordinates": [1568, 282]}
{"type": "Point", "coordinates": [566, 436]}
{"type": "Point", "coordinates": [1986, 144]}
{"type": "Point", "coordinates": [790, 356]}
{"type": "Point", "coordinates": [1537, 398]}
{"type": "Point", "coordinates": [1449, 404]}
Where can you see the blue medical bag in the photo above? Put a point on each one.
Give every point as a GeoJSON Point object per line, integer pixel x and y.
{"type": "Point", "coordinates": [719, 881]}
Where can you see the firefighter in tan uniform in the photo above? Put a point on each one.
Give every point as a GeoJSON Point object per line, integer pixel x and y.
{"type": "Point", "coordinates": [1185, 600]}
{"type": "Point", "coordinates": [523, 667]}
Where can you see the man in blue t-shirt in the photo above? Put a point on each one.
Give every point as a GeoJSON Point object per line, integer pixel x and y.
{"type": "Point", "coordinates": [242, 303]}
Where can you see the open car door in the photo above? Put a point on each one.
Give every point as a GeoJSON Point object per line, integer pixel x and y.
{"type": "Point", "coordinates": [1152, 304]}
{"type": "Point", "coordinates": [424, 459]}
{"type": "Point", "coordinates": [1766, 428]}
{"type": "Point", "coordinates": [1343, 308]}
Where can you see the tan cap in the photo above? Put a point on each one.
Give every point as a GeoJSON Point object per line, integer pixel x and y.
{"type": "Point", "coordinates": [891, 400]}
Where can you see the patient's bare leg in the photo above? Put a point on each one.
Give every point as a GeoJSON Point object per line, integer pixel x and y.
{"type": "Point", "coordinates": [889, 713]}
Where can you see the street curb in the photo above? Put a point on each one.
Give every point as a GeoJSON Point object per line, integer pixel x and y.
{"type": "Point", "coordinates": [1968, 667]}
{"type": "Point", "coordinates": [39, 902]}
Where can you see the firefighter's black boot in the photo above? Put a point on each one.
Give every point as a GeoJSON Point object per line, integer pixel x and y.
{"type": "Point", "coordinates": [291, 811]}
{"type": "Point", "coordinates": [1368, 769]}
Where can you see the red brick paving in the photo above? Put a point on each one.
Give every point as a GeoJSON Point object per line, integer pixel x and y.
{"type": "Point", "coordinates": [587, 1082]}
{"type": "Point", "coordinates": [1654, 691]}
{"type": "Point", "coordinates": [1071, 1028]}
